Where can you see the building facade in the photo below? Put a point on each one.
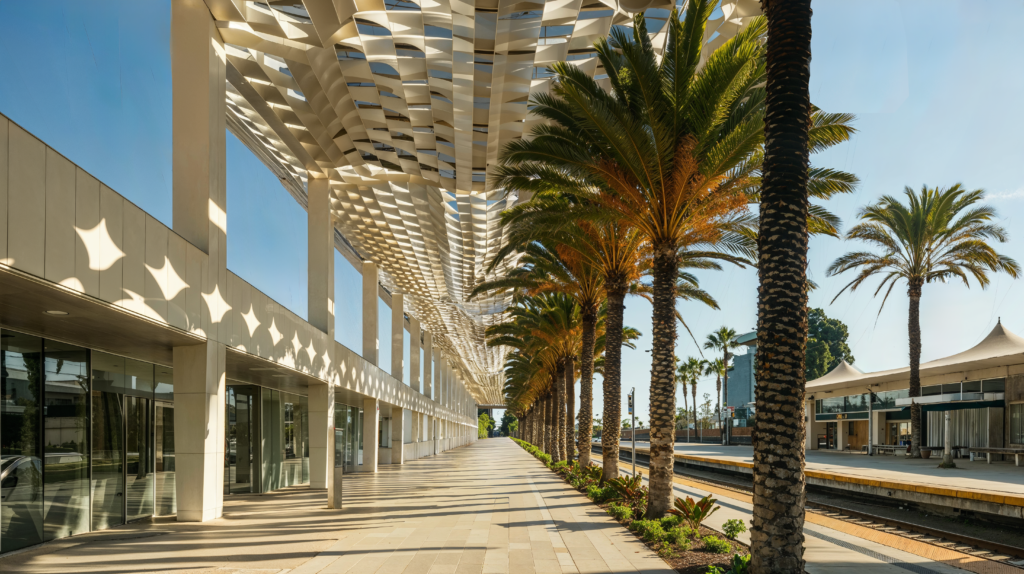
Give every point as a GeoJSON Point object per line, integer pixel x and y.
{"type": "Point", "coordinates": [981, 388]}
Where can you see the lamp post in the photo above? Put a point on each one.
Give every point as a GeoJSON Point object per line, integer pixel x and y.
{"type": "Point", "coordinates": [632, 426]}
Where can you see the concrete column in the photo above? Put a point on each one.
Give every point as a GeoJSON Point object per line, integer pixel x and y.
{"type": "Point", "coordinates": [321, 256]}
{"type": "Point", "coordinates": [428, 362]}
{"type": "Point", "coordinates": [842, 435]}
{"type": "Point", "coordinates": [436, 384]}
{"type": "Point", "coordinates": [397, 436]}
{"type": "Point", "coordinates": [398, 336]}
{"type": "Point", "coordinates": [321, 440]}
{"type": "Point", "coordinates": [199, 211]}
{"type": "Point", "coordinates": [878, 428]}
{"type": "Point", "coordinates": [414, 354]}
{"type": "Point", "coordinates": [199, 397]}
{"type": "Point", "coordinates": [371, 430]}
{"type": "Point", "coordinates": [370, 294]}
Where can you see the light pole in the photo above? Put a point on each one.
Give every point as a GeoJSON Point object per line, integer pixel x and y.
{"type": "Point", "coordinates": [632, 426]}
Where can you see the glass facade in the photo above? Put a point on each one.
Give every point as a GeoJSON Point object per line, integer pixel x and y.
{"type": "Point", "coordinates": [87, 440]}
{"type": "Point", "coordinates": [348, 436]}
{"type": "Point", "coordinates": [284, 422]}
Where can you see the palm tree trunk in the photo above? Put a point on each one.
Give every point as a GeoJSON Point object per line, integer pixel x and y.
{"type": "Point", "coordinates": [611, 428]}
{"type": "Point", "coordinates": [570, 410]}
{"type": "Point", "coordinates": [693, 390]}
{"type": "Point", "coordinates": [686, 413]}
{"type": "Point", "coordinates": [546, 424]}
{"type": "Point", "coordinates": [777, 534]}
{"type": "Point", "coordinates": [914, 328]}
{"type": "Point", "coordinates": [725, 383]}
{"type": "Point", "coordinates": [558, 382]}
{"type": "Point", "coordinates": [718, 400]}
{"type": "Point", "coordinates": [663, 381]}
{"type": "Point", "coordinates": [589, 321]}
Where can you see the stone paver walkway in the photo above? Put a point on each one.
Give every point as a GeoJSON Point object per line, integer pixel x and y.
{"type": "Point", "coordinates": [486, 508]}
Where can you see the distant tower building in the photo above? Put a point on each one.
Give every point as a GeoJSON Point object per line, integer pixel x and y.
{"type": "Point", "coordinates": [741, 375]}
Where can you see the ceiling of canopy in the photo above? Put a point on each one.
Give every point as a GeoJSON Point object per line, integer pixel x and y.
{"type": "Point", "coordinates": [405, 105]}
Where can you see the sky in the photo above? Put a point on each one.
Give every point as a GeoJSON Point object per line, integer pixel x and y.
{"type": "Point", "coordinates": [932, 82]}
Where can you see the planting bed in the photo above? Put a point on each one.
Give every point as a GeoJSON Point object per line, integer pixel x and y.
{"type": "Point", "coordinates": [686, 550]}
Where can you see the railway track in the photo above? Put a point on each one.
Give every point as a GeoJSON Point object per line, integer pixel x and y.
{"type": "Point", "coordinates": [979, 548]}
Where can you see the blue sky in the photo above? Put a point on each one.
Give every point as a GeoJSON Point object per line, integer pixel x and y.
{"type": "Point", "coordinates": [933, 84]}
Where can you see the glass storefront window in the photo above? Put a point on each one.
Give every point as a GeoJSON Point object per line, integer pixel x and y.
{"type": "Point", "coordinates": [68, 415]}
{"type": "Point", "coordinates": [21, 476]}
{"type": "Point", "coordinates": [993, 386]}
{"type": "Point", "coordinates": [1017, 424]}
{"type": "Point", "coordinates": [107, 440]}
{"type": "Point", "coordinates": [65, 425]}
{"type": "Point", "coordinates": [285, 453]}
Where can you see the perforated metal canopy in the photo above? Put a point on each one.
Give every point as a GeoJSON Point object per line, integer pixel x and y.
{"type": "Point", "coordinates": [405, 105]}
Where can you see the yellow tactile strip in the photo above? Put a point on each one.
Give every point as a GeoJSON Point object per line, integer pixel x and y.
{"type": "Point", "coordinates": [993, 497]}
{"type": "Point", "coordinates": [922, 549]}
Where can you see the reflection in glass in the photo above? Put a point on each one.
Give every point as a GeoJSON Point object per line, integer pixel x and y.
{"type": "Point", "coordinates": [139, 479]}
{"type": "Point", "coordinates": [239, 460]}
{"type": "Point", "coordinates": [65, 421]}
{"type": "Point", "coordinates": [107, 440]}
{"type": "Point", "coordinates": [21, 479]}
{"type": "Point", "coordinates": [166, 503]}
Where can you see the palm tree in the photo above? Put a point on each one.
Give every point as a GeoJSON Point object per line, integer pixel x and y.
{"type": "Point", "coordinates": [683, 380]}
{"type": "Point", "coordinates": [548, 265]}
{"type": "Point", "coordinates": [717, 368]}
{"type": "Point", "coordinates": [779, 483]}
{"type": "Point", "coordinates": [724, 340]}
{"type": "Point", "coordinates": [690, 371]}
{"type": "Point", "coordinates": [655, 154]}
{"type": "Point", "coordinates": [939, 235]}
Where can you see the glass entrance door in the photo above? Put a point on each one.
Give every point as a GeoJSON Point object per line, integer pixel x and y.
{"type": "Point", "coordinates": [830, 435]}
{"type": "Point", "coordinates": [240, 436]}
{"type": "Point", "coordinates": [899, 433]}
{"type": "Point", "coordinates": [107, 441]}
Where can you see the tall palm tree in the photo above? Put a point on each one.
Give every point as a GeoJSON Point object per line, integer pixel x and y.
{"type": "Point", "coordinates": [779, 483]}
{"type": "Point", "coordinates": [939, 235]}
{"type": "Point", "coordinates": [717, 368]}
{"type": "Point", "coordinates": [682, 380]}
{"type": "Point", "coordinates": [691, 371]}
{"type": "Point", "coordinates": [723, 340]}
{"type": "Point", "coordinates": [549, 265]}
{"type": "Point", "coordinates": [655, 154]}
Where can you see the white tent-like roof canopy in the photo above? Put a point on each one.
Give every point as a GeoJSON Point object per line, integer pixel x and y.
{"type": "Point", "coordinates": [1000, 347]}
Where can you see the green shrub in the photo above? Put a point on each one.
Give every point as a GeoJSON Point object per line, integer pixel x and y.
{"type": "Point", "coordinates": [667, 551]}
{"type": "Point", "coordinates": [716, 545]}
{"type": "Point", "coordinates": [545, 458]}
{"type": "Point", "coordinates": [694, 512]}
{"type": "Point", "coordinates": [740, 564]}
{"type": "Point", "coordinates": [620, 513]}
{"type": "Point", "coordinates": [669, 522]}
{"type": "Point", "coordinates": [630, 490]}
{"type": "Point", "coordinates": [602, 495]}
{"type": "Point", "coordinates": [678, 536]}
{"type": "Point", "coordinates": [560, 466]}
{"type": "Point", "coordinates": [593, 492]}
{"type": "Point", "coordinates": [649, 530]}
{"type": "Point", "coordinates": [733, 528]}
{"type": "Point", "coordinates": [712, 569]}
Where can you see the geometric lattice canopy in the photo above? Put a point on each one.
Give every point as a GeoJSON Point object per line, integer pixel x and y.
{"type": "Point", "coordinates": [404, 105]}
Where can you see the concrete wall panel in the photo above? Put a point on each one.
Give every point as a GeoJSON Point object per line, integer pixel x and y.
{"type": "Point", "coordinates": [88, 232]}
{"type": "Point", "coordinates": [59, 246]}
{"type": "Point", "coordinates": [134, 275]}
{"type": "Point", "coordinates": [26, 202]}
{"type": "Point", "coordinates": [195, 264]}
{"type": "Point", "coordinates": [177, 280]}
{"type": "Point", "coordinates": [157, 291]}
{"type": "Point", "coordinates": [5, 129]}
{"type": "Point", "coordinates": [111, 249]}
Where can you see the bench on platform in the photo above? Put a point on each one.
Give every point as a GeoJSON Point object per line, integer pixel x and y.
{"type": "Point", "coordinates": [888, 448]}
{"type": "Point", "coordinates": [988, 452]}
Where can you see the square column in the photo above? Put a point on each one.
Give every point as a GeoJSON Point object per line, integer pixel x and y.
{"type": "Point", "coordinates": [370, 295]}
{"type": "Point", "coordinates": [428, 363]}
{"type": "Point", "coordinates": [398, 336]}
{"type": "Point", "coordinates": [371, 431]}
{"type": "Point", "coordinates": [414, 354]}
{"type": "Point", "coordinates": [199, 410]}
{"type": "Point", "coordinates": [321, 440]}
{"type": "Point", "coordinates": [321, 256]}
{"type": "Point", "coordinates": [397, 436]}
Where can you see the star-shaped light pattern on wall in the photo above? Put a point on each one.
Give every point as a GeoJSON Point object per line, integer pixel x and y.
{"type": "Point", "coordinates": [405, 105]}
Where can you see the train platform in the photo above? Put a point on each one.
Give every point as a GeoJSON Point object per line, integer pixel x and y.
{"type": "Point", "coordinates": [996, 488]}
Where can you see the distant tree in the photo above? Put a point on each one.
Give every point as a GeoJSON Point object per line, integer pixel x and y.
{"type": "Point", "coordinates": [826, 344]}
{"type": "Point", "coordinates": [507, 420]}
{"type": "Point", "coordinates": [625, 423]}
{"type": "Point", "coordinates": [484, 425]}
{"type": "Point", "coordinates": [707, 413]}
